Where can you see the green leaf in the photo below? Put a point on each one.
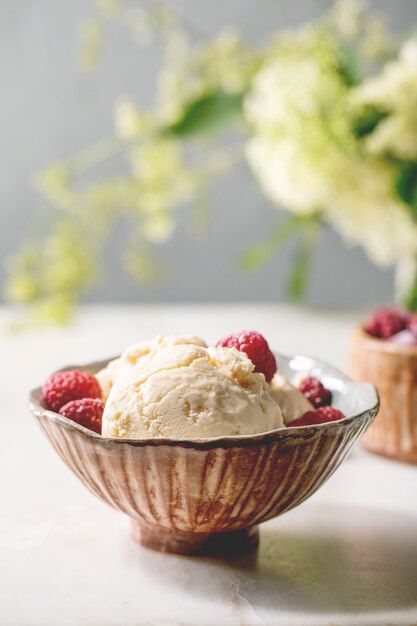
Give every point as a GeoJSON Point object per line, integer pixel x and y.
{"type": "Point", "coordinates": [367, 120]}
{"type": "Point", "coordinates": [409, 300]}
{"type": "Point", "coordinates": [349, 64]}
{"type": "Point", "coordinates": [406, 186]}
{"type": "Point", "coordinates": [208, 114]}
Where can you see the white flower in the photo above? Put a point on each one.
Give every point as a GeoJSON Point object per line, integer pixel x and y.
{"type": "Point", "coordinates": [408, 52]}
{"type": "Point", "coordinates": [158, 228]}
{"type": "Point", "coordinates": [285, 175]}
{"type": "Point", "coordinates": [279, 101]}
{"type": "Point", "coordinates": [297, 110]}
{"type": "Point", "coordinates": [131, 123]}
{"type": "Point", "coordinates": [394, 92]}
{"type": "Point", "coordinates": [364, 211]}
{"type": "Point", "coordinates": [307, 158]}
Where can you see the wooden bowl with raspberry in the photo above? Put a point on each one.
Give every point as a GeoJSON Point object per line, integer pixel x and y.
{"type": "Point", "coordinates": [384, 352]}
{"type": "Point", "coordinates": [207, 495]}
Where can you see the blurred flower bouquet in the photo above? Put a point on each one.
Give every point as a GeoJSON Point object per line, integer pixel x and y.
{"type": "Point", "coordinates": [325, 116]}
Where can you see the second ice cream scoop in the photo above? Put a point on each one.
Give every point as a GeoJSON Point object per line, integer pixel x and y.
{"type": "Point", "coordinates": [292, 402]}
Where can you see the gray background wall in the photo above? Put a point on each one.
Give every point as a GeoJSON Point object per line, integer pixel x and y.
{"type": "Point", "coordinates": [50, 109]}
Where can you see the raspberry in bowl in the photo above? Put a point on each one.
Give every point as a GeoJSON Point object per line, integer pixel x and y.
{"type": "Point", "coordinates": [196, 446]}
{"type": "Point", "coordinates": [384, 352]}
{"type": "Point", "coordinates": [256, 347]}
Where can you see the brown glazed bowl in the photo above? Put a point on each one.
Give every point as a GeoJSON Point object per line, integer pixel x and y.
{"type": "Point", "coordinates": [207, 496]}
{"type": "Point", "coordinates": [393, 369]}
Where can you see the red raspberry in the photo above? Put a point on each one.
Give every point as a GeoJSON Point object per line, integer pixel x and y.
{"type": "Point", "coordinates": [329, 414]}
{"type": "Point", "coordinates": [319, 416]}
{"type": "Point", "coordinates": [384, 323]}
{"type": "Point", "coordinates": [315, 392]}
{"type": "Point", "coordinates": [87, 412]}
{"type": "Point", "coordinates": [257, 349]}
{"type": "Point", "coordinates": [62, 387]}
{"type": "Point", "coordinates": [412, 324]}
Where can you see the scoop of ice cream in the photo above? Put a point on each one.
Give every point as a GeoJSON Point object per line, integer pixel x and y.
{"type": "Point", "coordinates": [108, 375]}
{"type": "Point", "coordinates": [189, 391]}
{"type": "Point", "coordinates": [291, 401]}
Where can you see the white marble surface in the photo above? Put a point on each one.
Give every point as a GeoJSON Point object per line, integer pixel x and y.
{"type": "Point", "coordinates": [346, 557]}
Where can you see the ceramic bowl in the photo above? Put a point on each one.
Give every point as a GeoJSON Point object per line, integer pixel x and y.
{"type": "Point", "coordinates": [200, 496]}
{"type": "Point", "coordinates": [393, 368]}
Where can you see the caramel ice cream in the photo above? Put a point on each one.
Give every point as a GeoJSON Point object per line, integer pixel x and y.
{"type": "Point", "coordinates": [291, 401]}
{"type": "Point", "coordinates": [116, 368]}
{"type": "Point", "coordinates": [179, 388]}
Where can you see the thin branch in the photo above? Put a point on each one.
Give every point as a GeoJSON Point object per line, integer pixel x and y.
{"type": "Point", "coordinates": [93, 155]}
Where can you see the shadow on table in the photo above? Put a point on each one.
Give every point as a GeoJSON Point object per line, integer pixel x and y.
{"type": "Point", "coordinates": [344, 559]}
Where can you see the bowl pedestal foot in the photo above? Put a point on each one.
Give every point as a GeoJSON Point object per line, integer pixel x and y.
{"type": "Point", "coordinates": [195, 544]}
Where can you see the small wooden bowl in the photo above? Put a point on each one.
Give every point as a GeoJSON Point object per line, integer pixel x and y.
{"type": "Point", "coordinates": [207, 496]}
{"type": "Point", "coordinates": [392, 368]}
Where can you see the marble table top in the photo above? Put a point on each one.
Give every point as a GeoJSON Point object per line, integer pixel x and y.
{"type": "Point", "coordinates": [346, 557]}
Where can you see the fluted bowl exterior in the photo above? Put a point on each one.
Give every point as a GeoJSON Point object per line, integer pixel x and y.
{"type": "Point", "coordinates": [213, 485]}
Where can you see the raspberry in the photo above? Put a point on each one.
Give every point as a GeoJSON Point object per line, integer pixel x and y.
{"type": "Point", "coordinates": [86, 411]}
{"type": "Point", "coordinates": [315, 392]}
{"type": "Point", "coordinates": [319, 416]}
{"type": "Point", "coordinates": [329, 414]}
{"type": "Point", "coordinates": [62, 387]}
{"type": "Point", "coordinates": [412, 324]}
{"type": "Point", "coordinates": [257, 349]}
{"type": "Point", "coordinates": [384, 323]}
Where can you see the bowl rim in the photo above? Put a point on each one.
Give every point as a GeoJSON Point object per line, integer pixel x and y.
{"type": "Point", "coordinates": [208, 442]}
